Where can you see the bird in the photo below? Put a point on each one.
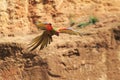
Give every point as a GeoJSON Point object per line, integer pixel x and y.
{"type": "Point", "coordinates": [48, 31]}
{"type": "Point", "coordinates": [92, 20]}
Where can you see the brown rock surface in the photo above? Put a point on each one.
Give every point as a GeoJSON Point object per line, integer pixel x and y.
{"type": "Point", "coordinates": [95, 55]}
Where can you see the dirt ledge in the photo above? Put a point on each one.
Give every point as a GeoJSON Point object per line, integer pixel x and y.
{"type": "Point", "coordinates": [16, 64]}
{"type": "Point", "coordinates": [95, 56]}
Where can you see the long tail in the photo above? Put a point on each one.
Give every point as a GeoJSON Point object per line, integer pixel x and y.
{"type": "Point", "coordinates": [42, 41]}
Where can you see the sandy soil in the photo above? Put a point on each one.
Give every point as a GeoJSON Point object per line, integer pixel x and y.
{"type": "Point", "coordinates": [94, 55]}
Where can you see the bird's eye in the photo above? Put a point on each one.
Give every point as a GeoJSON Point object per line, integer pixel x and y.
{"type": "Point", "coordinates": [50, 24]}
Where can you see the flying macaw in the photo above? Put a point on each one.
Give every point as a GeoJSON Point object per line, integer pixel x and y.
{"type": "Point", "coordinates": [46, 37]}
{"type": "Point", "coordinates": [92, 20]}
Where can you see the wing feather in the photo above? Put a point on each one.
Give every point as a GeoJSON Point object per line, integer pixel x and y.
{"type": "Point", "coordinates": [36, 43]}
{"type": "Point", "coordinates": [44, 43]}
{"type": "Point", "coordinates": [40, 25]}
{"type": "Point", "coordinates": [69, 31]}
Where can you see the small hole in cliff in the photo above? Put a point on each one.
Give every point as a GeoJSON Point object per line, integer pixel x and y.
{"type": "Point", "coordinates": [117, 34]}
{"type": "Point", "coordinates": [30, 55]}
{"type": "Point", "coordinates": [71, 53]}
{"type": "Point", "coordinates": [47, 1]}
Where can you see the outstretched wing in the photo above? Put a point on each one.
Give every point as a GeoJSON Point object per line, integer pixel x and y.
{"type": "Point", "coordinates": [41, 25]}
{"type": "Point", "coordinates": [69, 30]}
{"type": "Point", "coordinates": [42, 41]}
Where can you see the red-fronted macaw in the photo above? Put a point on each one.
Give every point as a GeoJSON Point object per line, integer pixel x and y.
{"type": "Point", "coordinates": [46, 37]}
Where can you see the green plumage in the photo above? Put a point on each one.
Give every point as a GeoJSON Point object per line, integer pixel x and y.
{"type": "Point", "coordinates": [92, 20]}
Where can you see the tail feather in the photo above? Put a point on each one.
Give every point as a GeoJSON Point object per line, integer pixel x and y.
{"type": "Point", "coordinates": [37, 43]}
{"type": "Point", "coordinates": [42, 41]}
{"type": "Point", "coordinates": [34, 40]}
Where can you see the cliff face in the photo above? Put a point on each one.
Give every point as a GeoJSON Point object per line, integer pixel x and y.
{"type": "Point", "coordinates": [95, 55]}
{"type": "Point", "coordinates": [18, 16]}
{"type": "Point", "coordinates": [13, 17]}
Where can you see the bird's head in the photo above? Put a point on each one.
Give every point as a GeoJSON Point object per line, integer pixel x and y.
{"type": "Point", "coordinates": [57, 33]}
{"type": "Point", "coordinates": [59, 30]}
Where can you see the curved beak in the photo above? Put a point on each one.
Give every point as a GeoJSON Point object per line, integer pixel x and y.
{"type": "Point", "coordinates": [57, 34]}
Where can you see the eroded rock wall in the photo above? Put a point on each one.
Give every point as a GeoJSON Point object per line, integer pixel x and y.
{"type": "Point", "coordinates": [18, 16]}
{"type": "Point", "coordinates": [95, 55]}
